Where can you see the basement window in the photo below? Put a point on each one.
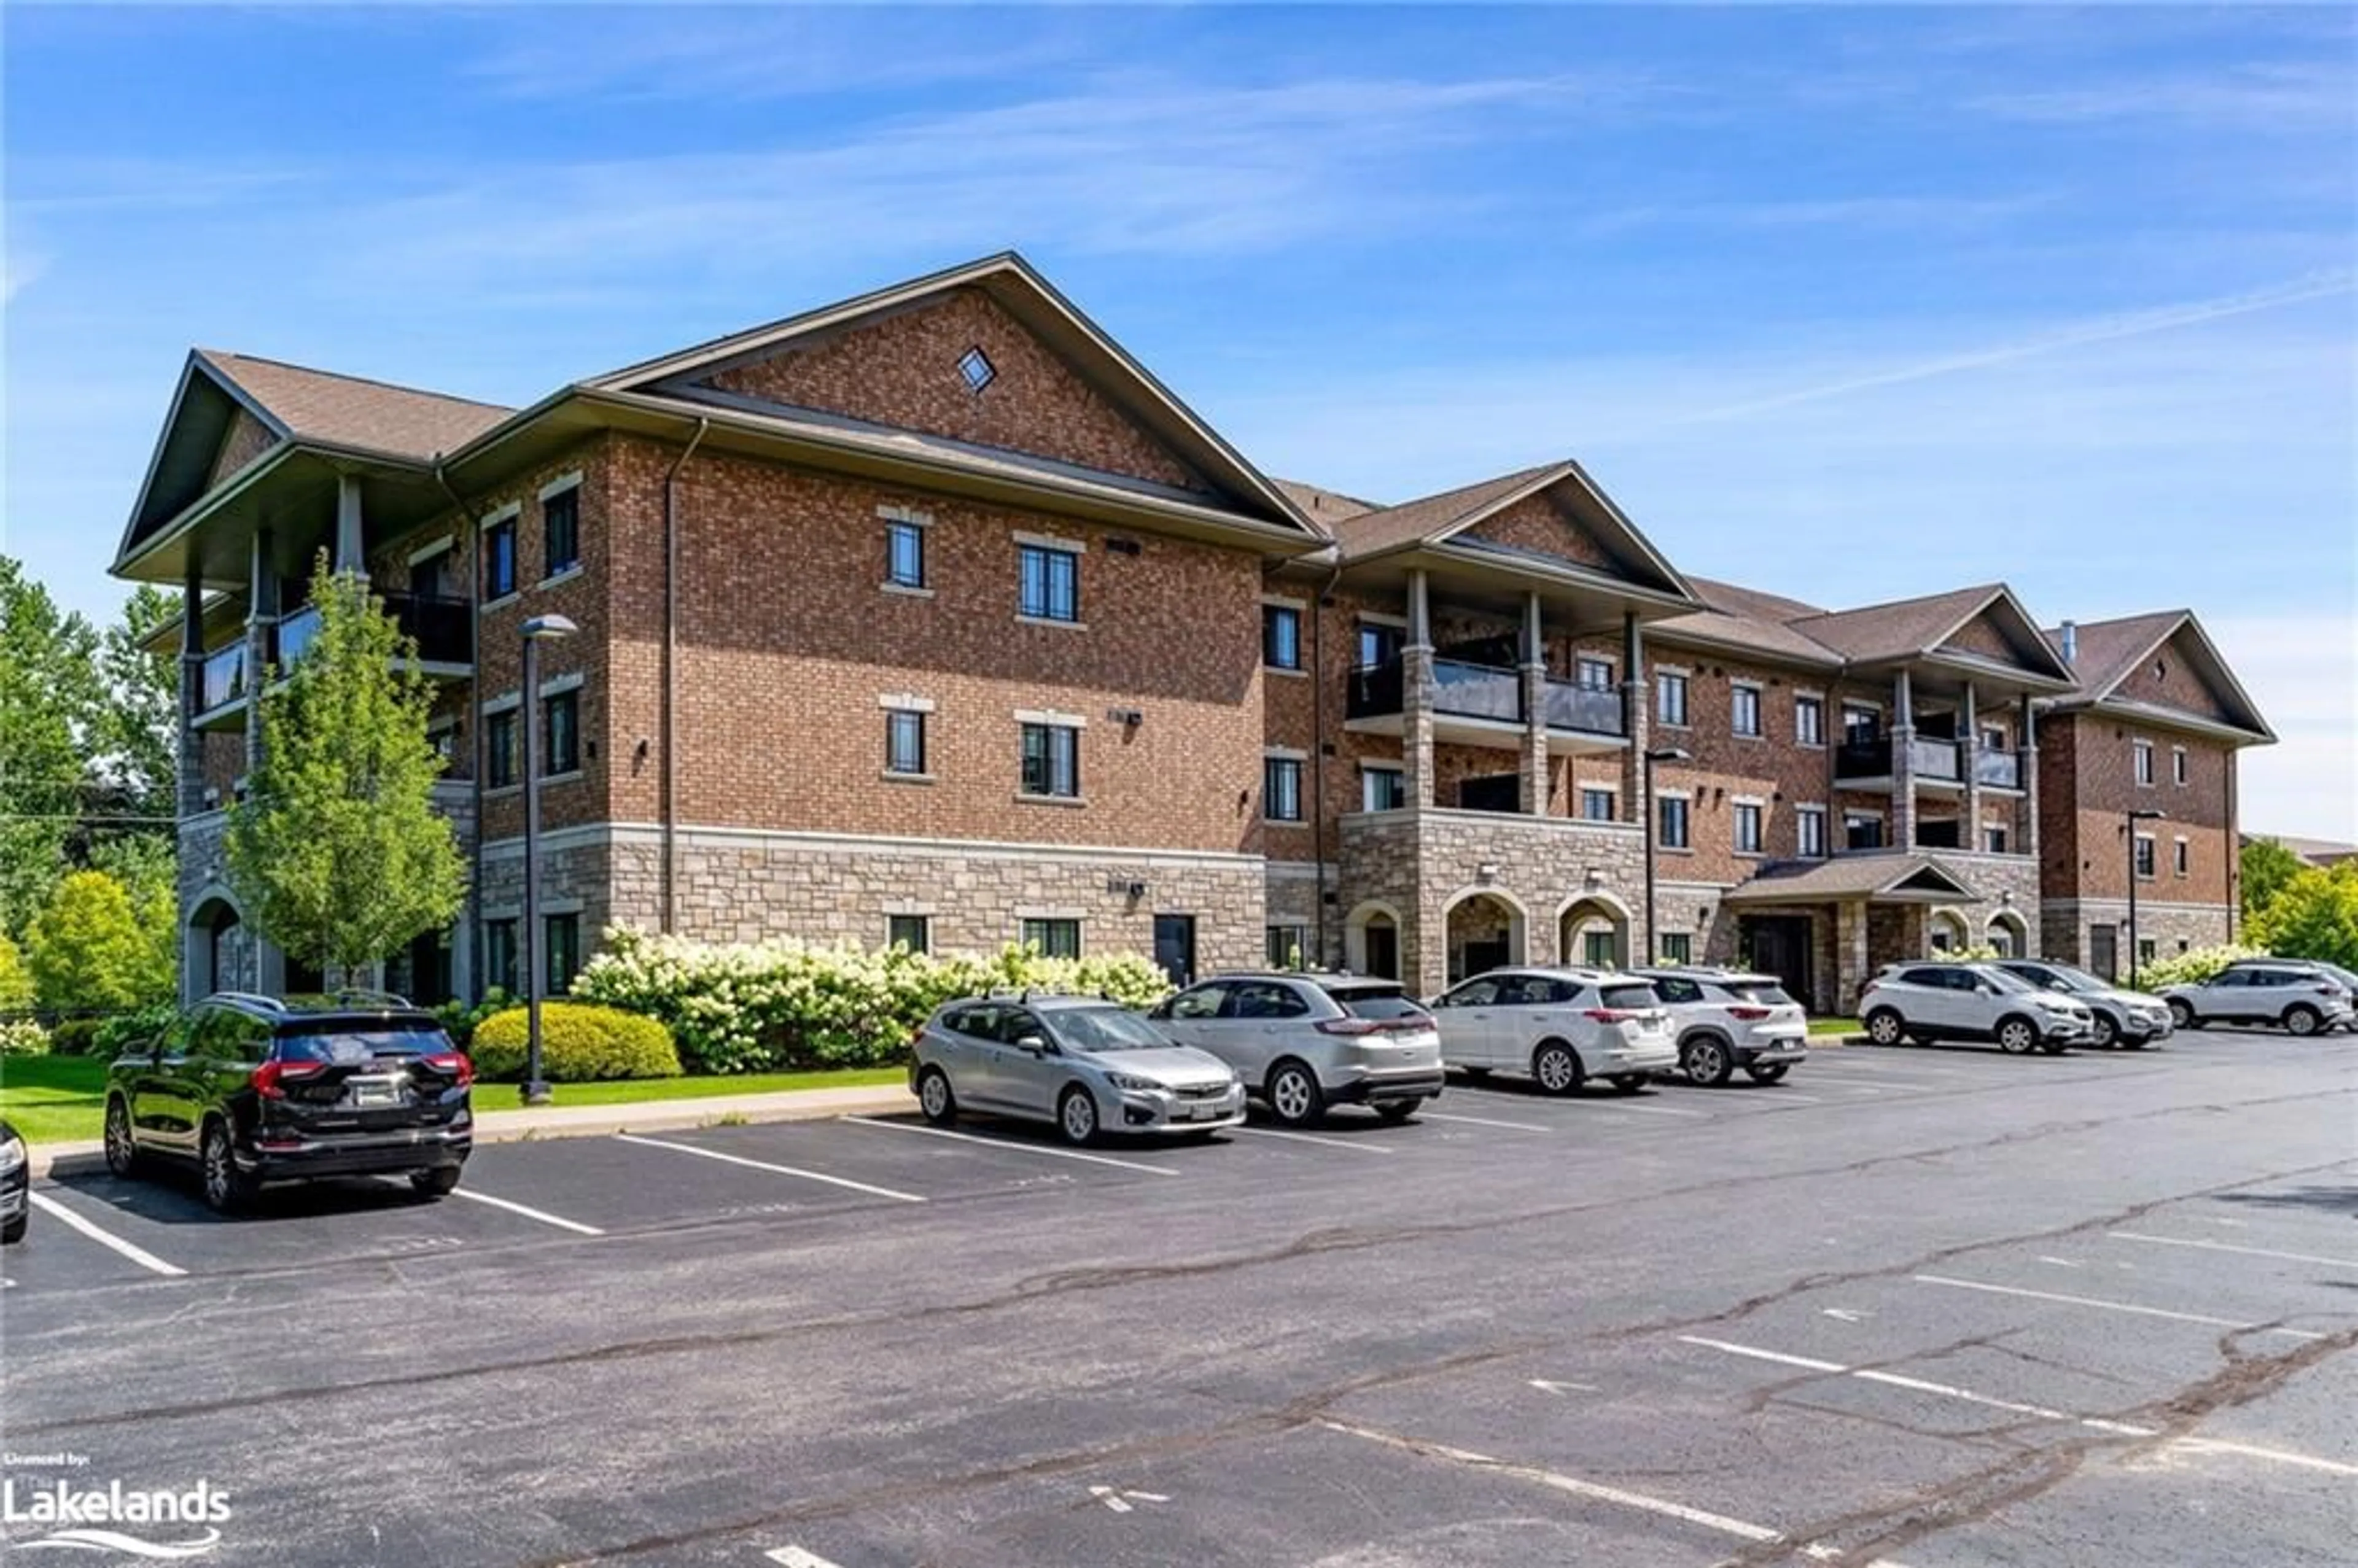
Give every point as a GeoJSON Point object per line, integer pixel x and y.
{"type": "Point", "coordinates": [976, 367]}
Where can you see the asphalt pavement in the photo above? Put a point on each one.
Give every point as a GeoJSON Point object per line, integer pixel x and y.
{"type": "Point", "coordinates": [1928, 1307]}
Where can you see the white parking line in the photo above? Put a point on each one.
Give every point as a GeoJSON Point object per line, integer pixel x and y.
{"type": "Point", "coordinates": [2280, 1456]}
{"type": "Point", "coordinates": [795, 1557]}
{"type": "Point", "coordinates": [1312, 1138]}
{"type": "Point", "coordinates": [1483, 1121]}
{"type": "Point", "coordinates": [2112, 1306]}
{"type": "Point", "coordinates": [1783, 1098]}
{"type": "Point", "coordinates": [2223, 1246]}
{"type": "Point", "coordinates": [1012, 1148]}
{"type": "Point", "coordinates": [1653, 1110]}
{"type": "Point", "coordinates": [138, 1255]}
{"type": "Point", "coordinates": [765, 1165]}
{"type": "Point", "coordinates": [1919, 1385]}
{"type": "Point", "coordinates": [1742, 1529]}
{"type": "Point", "coordinates": [545, 1219]}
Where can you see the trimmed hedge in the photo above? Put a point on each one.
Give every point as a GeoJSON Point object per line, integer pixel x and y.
{"type": "Point", "coordinates": [780, 1005]}
{"type": "Point", "coordinates": [579, 1045]}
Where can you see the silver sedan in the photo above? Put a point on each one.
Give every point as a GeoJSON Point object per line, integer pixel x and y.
{"type": "Point", "coordinates": [1084, 1065]}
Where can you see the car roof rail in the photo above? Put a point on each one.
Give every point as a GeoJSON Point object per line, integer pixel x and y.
{"type": "Point", "coordinates": [363, 994]}
{"type": "Point", "coordinates": [248, 999]}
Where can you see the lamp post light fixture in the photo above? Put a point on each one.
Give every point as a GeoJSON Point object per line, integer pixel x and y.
{"type": "Point", "coordinates": [538, 629]}
{"type": "Point", "coordinates": [1648, 815]}
{"type": "Point", "coordinates": [2136, 816]}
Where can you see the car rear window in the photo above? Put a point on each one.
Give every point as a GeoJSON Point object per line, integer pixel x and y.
{"type": "Point", "coordinates": [1627, 996]}
{"type": "Point", "coordinates": [338, 1046]}
{"type": "Point", "coordinates": [1768, 993]}
{"type": "Point", "coordinates": [1377, 1004]}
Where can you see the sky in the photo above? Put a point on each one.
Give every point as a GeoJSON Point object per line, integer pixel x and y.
{"type": "Point", "coordinates": [1848, 304]}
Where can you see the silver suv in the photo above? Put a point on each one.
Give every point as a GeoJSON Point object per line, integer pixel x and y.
{"type": "Point", "coordinates": [1970, 1001]}
{"type": "Point", "coordinates": [1728, 1019]}
{"type": "Point", "coordinates": [1086, 1064]}
{"type": "Point", "coordinates": [1303, 1043]}
{"type": "Point", "coordinates": [2120, 1017]}
{"type": "Point", "coordinates": [2290, 995]}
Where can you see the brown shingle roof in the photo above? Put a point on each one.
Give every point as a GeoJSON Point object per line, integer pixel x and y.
{"type": "Point", "coordinates": [1855, 876]}
{"type": "Point", "coordinates": [1326, 507]}
{"type": "Point", "coordinates": [1897, 630]}
{"type": "Point", "coordinates": [1742, 618]}
{"type": "Point", "coordinates": [347, 411]}
{"type": "Point", "coordinates": [1372, 533]}
{"type": "Point", "coordinates": [2110, 649]}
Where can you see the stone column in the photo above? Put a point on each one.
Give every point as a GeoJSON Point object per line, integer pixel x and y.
{"type": "Point", "coordinates": [1637, 722]}
{"type": "Point", "coordinates": [1416, 696]}
{"type": "Point", "coordinates": [1969, 831]}
{"type": "Point", "coordinates": [1903, 766]}
{"type": "Point", "coordinates": [2030, 765]}
{"type": "Point", "coordinates": [1850, 970]}
{"type": "Point", "coordinates": [1535, 732]}
{"type": "Point", "coordinates": [261, 614]}
{"type": "Point", "coordinates": [352, 553]}
{"type": "Point", "coordinates": [192, 689]}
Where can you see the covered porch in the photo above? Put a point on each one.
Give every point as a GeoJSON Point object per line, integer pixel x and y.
{"type": "Point", "coordinates": [1825, 927]}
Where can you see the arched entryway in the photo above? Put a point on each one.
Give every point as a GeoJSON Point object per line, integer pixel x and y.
{"type": "Point", "coordinates": [212, 949]}
{"type": "Point", "coordinates": [1946, 931]}
{"type": "Point", "coordinates": [1593, 932]}
{"type": "Point", "coordinates": [1371, 940]}
{"type": "Point", "coordinates": [1482, 929]}
{"type": "Point", "coordinates": [2009, 934]}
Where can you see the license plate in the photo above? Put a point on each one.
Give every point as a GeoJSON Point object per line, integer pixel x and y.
{"type": "Point", "coordinates": [367, 1092]}
{"type": "Point", "coordinates": [1198, 1112]}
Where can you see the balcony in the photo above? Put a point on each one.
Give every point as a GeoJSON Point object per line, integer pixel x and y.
{"type": "Point", "coordinates": [222, 688]}
{"type": "Point", "coordinates": [1482, 704]}
{"type": "Point", "coordinates": [443, 628]}
{"type": "Point", "coordinates": [1866, 764]}
{"type": "Point", "coordinates": [292, 637]}
{"type": "Point", "coordinates": [1997, 770]}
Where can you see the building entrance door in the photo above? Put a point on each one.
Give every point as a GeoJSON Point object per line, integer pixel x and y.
{"type": "Point", "coordinates": [1780, 944]}
{"type": "Point", "coordinates": [1175, 946]}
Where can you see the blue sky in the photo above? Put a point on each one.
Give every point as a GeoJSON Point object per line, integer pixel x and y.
{"type": "Point", "coordinates": [1850, 304]}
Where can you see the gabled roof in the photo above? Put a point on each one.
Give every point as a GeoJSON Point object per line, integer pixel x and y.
{"type": "Point", "coordinates": [1919, 628]}
{"type": "Point", "coordinates": [2110, 651]}
{"type": "Point", "coordinates": [1011, 284]}
{"type": "Point", "coordinates": [1322, 506]}
{"type": "Point", "coordinates": [1744, 618]}
{"type": "Point", "coordinates": [349, 411]}
{"type": "Point", "coordinates": [1877, 879]}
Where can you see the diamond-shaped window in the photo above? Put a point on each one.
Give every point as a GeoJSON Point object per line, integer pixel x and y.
{"type": "Point", "coordinates": [976, 366]}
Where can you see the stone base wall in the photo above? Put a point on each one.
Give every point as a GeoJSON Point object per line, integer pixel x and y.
{"type": "Point", "coordinates": [2009, 887]}
{"type": "Point", "coordinates": [2172, 928]}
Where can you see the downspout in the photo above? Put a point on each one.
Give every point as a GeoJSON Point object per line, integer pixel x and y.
{"type": "Point", "coordinates": [671, 676]}
{"type": "Point", "coordinates": [1318, 761]}
{"type": "Point", "coordinates": [474, 738]}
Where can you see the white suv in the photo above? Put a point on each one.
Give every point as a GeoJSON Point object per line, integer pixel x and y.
{"type": "Point", "coordinates": [1970, 1001]}
{"type": "Point", "coordinates": [1561, 1026]}
{"type": "Point", "coordinates": [2291, 996]}
{"type": "Point", "coordinates": [1728, 1019]}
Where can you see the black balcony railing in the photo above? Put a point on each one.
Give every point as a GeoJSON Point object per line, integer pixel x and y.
{"type": "Point", "coordinates": [1375, 691]}
{"type": "Point", "coordinates": [225, 678]}
{"type": "Point", "coordinates": [291, 638]}
{"type": "Point", "coordinates": [1476, 691]}
{"type": "Point", "coordinates": [444, 628]}
{"type": "Point", "coordinates": [1934, 760]}
{"type": "Point", "coordinates": [1587, 708]}
{"type": "Point", "coordinates": [2000, 770]}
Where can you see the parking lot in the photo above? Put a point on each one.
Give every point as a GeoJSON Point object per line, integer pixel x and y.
{"type": "Point", "coordinates": [1919, 1306]}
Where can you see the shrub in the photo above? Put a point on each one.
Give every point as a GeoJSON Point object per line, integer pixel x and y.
{"type": "Point", "coordinates": [76, 1037]}
{"type": "Point", "coordinates": [24, 1037]}
{"type": "Point", "coordinates": [782, 1004]}
{"type": "Point", "coordinates": [460, 1020]}
{"type": "Point", "coordinates": [88, 951]}
{"type": "Point", "coordinates": [2192, 968]}
{"type": "Point", "coordinates": [125, 1029]}
{"type": "Point", "coordinates": [15, 980]}
{"type": "Point", "coordinates": [579, 1045]}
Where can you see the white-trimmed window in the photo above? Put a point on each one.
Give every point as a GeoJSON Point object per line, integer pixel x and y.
{"type": "Point", "coordinates": [904, 554]}
{"type": "Point", "coordinates": [1051, 761]}
{"type": "Point", "coordinates": [1993, 840]}
{"type": "Point", "coordinates": [1055, 936]}
{"type": "Point", "coordinates": [1593, 674]}
{"type": "Point", "coordinates": [1595, 804]}
{"type": "Point", "coordinates": [1810, 720]}
{"type": "Point", "coordinates": [560, 526]}
{"type": "Point", "coordinates": [1051, 583]}
{"type": "Point", "coordinates": [1288, 946]}
{"type": "Point", "coordinates": [2181, 859]}
{"type": "Point", "coordinates": [914, 932]}
{"type": "Point", "coordinates": [561, 719]}
{"type": "Point", "coordinates": [1671, 814]}
{"type": "Point", "coordinates": [2143, 750]}
{"type": "Point", "coordinates": [1281, 788]}
{"type": "Point", "coordinates": [1809, 831]}
{"type": "Point", "coordinates": [1671, 697]}
{"type": "Point", "coordinates": [1744, 709]}
{"type": "Point", "coordinates": [905, 741]}
{"type": "Point", "coordinates": [1674, 947]}
{"type": "Point", "coordinates": [2143, 857]}
{"type": "Point", "coordinates": [1382, 789]}
{"type": "Point", "coordinates": [1280, 635]}
{"type": "Point", "coordinates": [498, 550]}
{"type": "Point", "coordinates": [1748, 827]}
{"type": "Point", "coordinates": [2178, 766]}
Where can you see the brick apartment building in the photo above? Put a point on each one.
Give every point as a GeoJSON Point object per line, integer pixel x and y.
{"type": "Point", "coordinates": [931, 616]}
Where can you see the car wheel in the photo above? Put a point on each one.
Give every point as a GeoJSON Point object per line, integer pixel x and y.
{"type": "Point", "coordinates": [1295, 1095]}
{"type": "Point", "coordinates": [935, 1099]}
{"type": "Point", "coordinates": [122, 1154]}
{"type": "Point", "coordinates": [1076, 1116]}
{"type": "Point", "coordinates": [1885, 1027]}
{"type": "Point", "coordinates": [14, 1231]}
{"type": "Point", "coordinates": [436, 1183]}
{"type": "Point", "coordinates": [227, 1188]}
{"type": "Point", "coordinates": [2017, 1036]}
{"type": "Point", "coordinates": [2108, 1033]}
{"type": "Point", "coordinates": [1555, 1067]}
{"type": "Point", "coordinates": [1400, 1110]}
{"type": "Point", "coordinates": [1774, 1072]}
{"type": "Point", "coordinates": [1706, 1060]}
{"type": "Point", "coordinates": [1627, 1083]}
{"type": "Point", "coordinates": [2180, 1015]}
{"type": "Point", "coordinates": [2303, 1018]}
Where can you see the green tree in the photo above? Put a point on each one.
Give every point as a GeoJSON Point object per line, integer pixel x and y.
{"type": "Point", "coordinates": [2267, 866]}
{"type": "Point", "coordinates": [87, 951]}
{"type": "Point", "coordinates": [2314, 915]}
{"type": "Point", "coordinates": [49, 698]}
{"type": "Point", "coordinates": [15, 980]}
{"type": "Point", "coordinates": [148, 868]}
{"type": "Point", "coordinates": [337, 852]}
{"type": "Point", "coordinates": [132, 742]}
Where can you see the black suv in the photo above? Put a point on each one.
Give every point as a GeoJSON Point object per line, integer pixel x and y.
{"type": "Point", "coordinates": [257, 1089]}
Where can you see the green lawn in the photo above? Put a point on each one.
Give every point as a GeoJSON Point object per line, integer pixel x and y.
{"type": "Point", "coordinates": [1833, 1026]}
{"type": "Point", "coordinates": [60, 1099]}
{"type": "Point", "coordinates": [53, 1099]}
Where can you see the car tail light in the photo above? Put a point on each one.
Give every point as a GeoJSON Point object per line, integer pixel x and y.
{"type": "Point", "coordinates": [1349, 1026]}
{"type": "Point", "coordinates": [1608, 1015]}
{"type": "Point", "coordinates": [268, 1077]}
{"type": "Point", "coordinates": [1747, 1014]}
{"type": "Point", "coordinates": [2327, 988]}
{"type": "Point", "coordinates": [454, 1064]}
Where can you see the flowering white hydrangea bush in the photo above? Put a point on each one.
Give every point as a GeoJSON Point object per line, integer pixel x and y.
{"type": "Point", "coordinates": [747, 1007]}
{"type": "Point", "coordinates": [2193, 966]}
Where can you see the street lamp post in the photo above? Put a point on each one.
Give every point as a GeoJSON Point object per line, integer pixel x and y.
{"type": "Point", "coordinates": [2136, 816]}
{"type": "Point", "coordinates": [538, 629]}
{"type": "Point", "coordinates": [1646, 816]}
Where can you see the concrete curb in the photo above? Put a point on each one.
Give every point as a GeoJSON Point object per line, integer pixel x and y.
{"type": "Point", "coordinates": [591, 1121]}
